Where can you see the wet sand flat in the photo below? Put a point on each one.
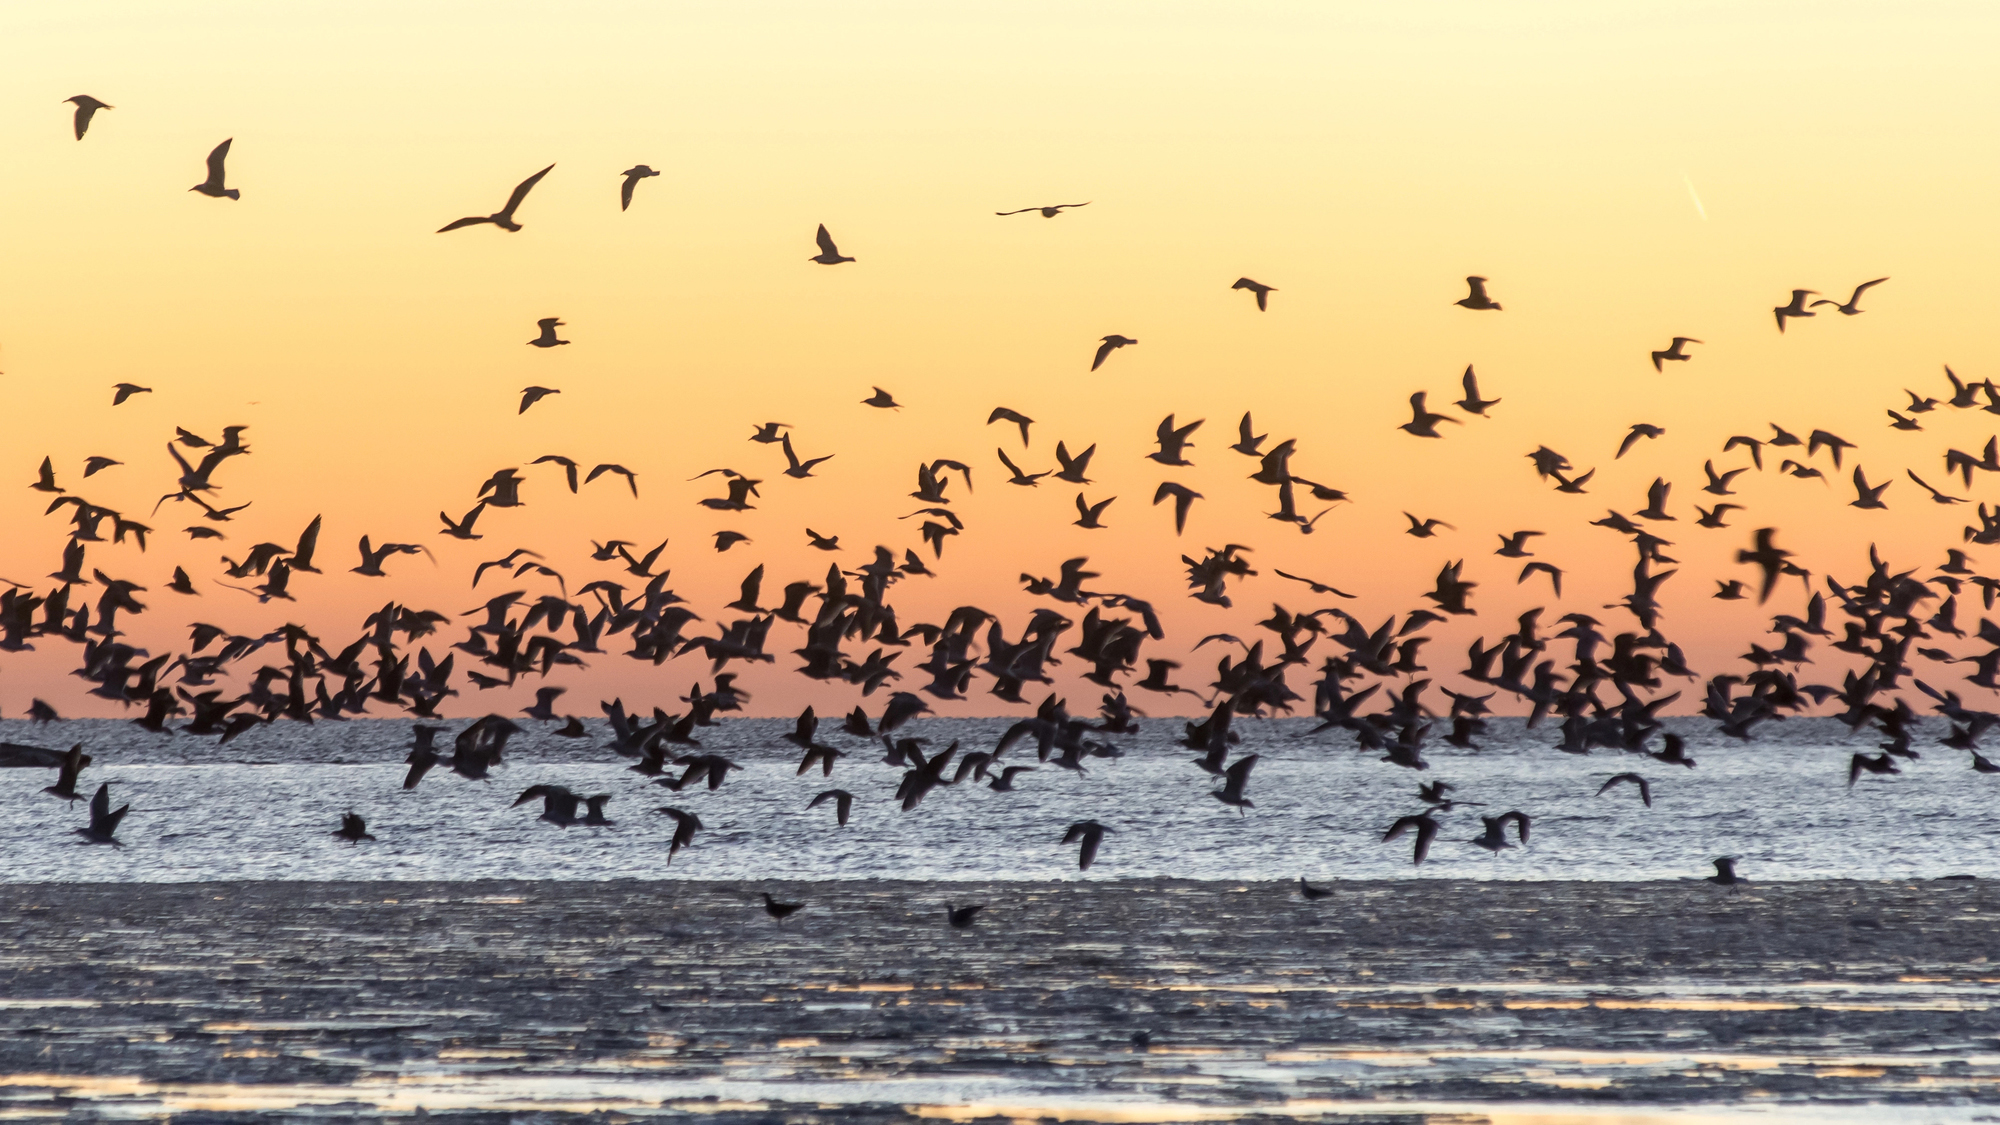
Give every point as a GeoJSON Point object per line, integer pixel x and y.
{"type": "Point", "coordinates": [1394, 1000]}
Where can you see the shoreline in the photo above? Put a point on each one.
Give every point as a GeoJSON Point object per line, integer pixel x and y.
{"type": "Point", "coordinates": [651, 995]}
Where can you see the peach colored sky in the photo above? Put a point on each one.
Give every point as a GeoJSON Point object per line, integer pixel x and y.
{"type": "Point", "coordinates": [1361, 159]}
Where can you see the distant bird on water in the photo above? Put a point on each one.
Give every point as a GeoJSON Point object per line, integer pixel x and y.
{"type": "Point", "coordinates": [212, 186]}
{"type": "Point", "coordinates": [547, 339]}
{"type": "Point", "coordinates": [1262, 291]}
{"type": "Point", "coordinates": [503, 218]}
{"type": "Point", "coordinates": [962, 917]}
{"type": "Point", "coordinates": [352, 829]}
{"type": "Point", "coordinates": [829, 254]}
{"type": "Point", "coordinates": [1047, 212]}
{"type": "Point", "coordinates": [1725, 873]}
{"type": "Point", "coordinates": [632, 176]}
{"type": "Point", "coordinates": [1311, 893]}
{"type": "Point", "coordinates": [781, 910]}
{"type": "Point", "coordinates": [532, 395]}
{"type": "Point", "coordinates": [86, 108]}
{"type": "Point", "coordinates": [1111, 344]}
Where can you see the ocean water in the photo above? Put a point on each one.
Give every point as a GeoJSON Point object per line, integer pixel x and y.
{"type": "Point", "coordinates": [264, 808]}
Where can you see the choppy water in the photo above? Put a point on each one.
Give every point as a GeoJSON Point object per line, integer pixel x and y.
{"type": "Point", "coordinates": [264, 807]}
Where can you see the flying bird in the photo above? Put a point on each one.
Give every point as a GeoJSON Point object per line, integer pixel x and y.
{"type": "Point", "coordinates": [1111, 344]}
{"type": "Point", "coordinates": [1851, 308]}
{"type": "Point", "coordinates": [212, 186]}
{"type": "Point", "coordinates": [1639, 430]}
{"type": "Point", "coordinates": [503, 218]}
{"type": "Point", "coordinates": [1472, 403]}
{"type": "Point", "coordinates": [1184, 498]}
{"type": "Point", "coordinates": [1675, 351]}
{"type": "Point", "coordinates": [532, 395]}
{"type": "Point", "coordinates": [631, 478]}
{"type": "Point", "coordinates": [632, 176]}
{"type": "Point", "coordinates": [1796, 309]}
{"type": "Point", "coordinates": [1423, 423]}
{"type": "Point", "coordinates": [829, 254]}
{"type": "Point", "coordinates": [1262, 291]}
{"type": "Point", "coordinates": [1002, 414]}
{"type": "Point", "coordinates": [86, 108]}
{"type": "Point", "coordinates": [123, 391]}
{"type": "Point", "coordinates": [1090, 835]}
{"type": "Point", "coordinates": [547, 339]}
{"type": "Point", "coordinates": [1047, 212]}
{"type": "Point", "coordinates": [1477, 298]}
{"type": "Point", "coordinates": [1645, 790]}
{"type": "Point", "coordinates": [882, 399]}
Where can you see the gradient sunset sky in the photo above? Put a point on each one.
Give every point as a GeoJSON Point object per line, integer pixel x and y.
{"type": "Point", "coordinates": [1623, 173]}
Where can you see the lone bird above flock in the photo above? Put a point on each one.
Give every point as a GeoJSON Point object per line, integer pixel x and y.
{"type": "Point", "coordinates": [632, 176]}
{"type": "Point", "coordinates": [213, 185]}
{"type": "Point", "coordinates": [1111, 344]}
{"type": "Point", "coordinates": [86, 108]}
{"type": "Point", "coordinates": [1047, 212]}
{"type": "Point", "coordinates": [829, 254]}
{"type": "Point", "coordinates": [504, 217]}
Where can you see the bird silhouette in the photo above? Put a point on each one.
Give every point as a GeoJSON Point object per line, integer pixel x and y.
{"type": "Point", "coordinates": [1183, 497]}
{"type": "Point", "coordinates": [1111, 344]}
{"type": "Point", "coordinates": [1639, 430]}
{"type": "Point", "coordinates": [504, 217]}
{"type": "Point", "coordinates": [843, 802]}
{"type": "Point", "coordinates": [1472, 403]}
{"type": "Point", "coordinates": [1675, 352]}
{"type": "Point", "coordinates": [1423, 423]}
{"type": "Point", "coordinates": [1851, 308]}
{"type": "Point", "coordinates": [1049, 212]}
{"type": "Point", "coordinates": [882, 399]}
{"type": "Point", "coordinates": [213, 185]}
{"type": "Point", "coordinates": [86, 108]}
{"type": "Point", "coordinates": [632, 177]}
{"type": "Point", "coordinates": [961, 917]}
{"type": "Point", "coordinates": [779, 911]}
{"type": "Point", "coordinates": [829, 254]}
{"type": "Point", "coordinates": [1425, 827]}
{"type": "Point", "coordinates": [1476, 298]}
{"type": "Point", "coordinates": [1262, 291]}
{"type": "Point", "coordinates": [123, 391]}
{"type": "Point", "coordinates": [104, 821]}
{"type": "Point", "coordinates": [1725, 872]}
{"type": "Point", "coordinates": [532, 395]}
{"type": "Point", "coordinates": [1645, 790]}
{"type": "Point", "coordinates": [547, 339]}
{"type": "Point", "coordinates": [1088, 834]}
{"type": "Point", "coordinates": [352, 828]}
{"type": "Point", "coordinates": [1796, 309]}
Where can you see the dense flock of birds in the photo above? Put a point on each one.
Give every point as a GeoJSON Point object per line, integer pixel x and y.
{"type": "Point", "coordinates": [1606, 691]}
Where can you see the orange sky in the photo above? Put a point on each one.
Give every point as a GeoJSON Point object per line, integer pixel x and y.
{"type": "Point", "coordinates": [1361, 160]}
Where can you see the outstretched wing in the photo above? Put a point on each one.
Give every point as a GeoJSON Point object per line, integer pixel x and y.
{"type": "Point", "coordinates": [216, 157]}
{"type": "Point", "coordinates": [521, 192]}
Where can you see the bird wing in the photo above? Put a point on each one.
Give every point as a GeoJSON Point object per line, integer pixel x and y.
{"type": "Point", "coordinates": [468, 221]}
{"type": "Point", "coordinates": [216, 157]}
{"type": "Point", "coordinates": [521, 192]}
{"type": "Point", "coordinates": [1103, 349]}
{"type": "Point", "coordinates": [827, 247]}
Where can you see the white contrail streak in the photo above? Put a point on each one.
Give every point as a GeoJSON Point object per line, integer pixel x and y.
{"type": "Point", "coordinates": [1698, 208]}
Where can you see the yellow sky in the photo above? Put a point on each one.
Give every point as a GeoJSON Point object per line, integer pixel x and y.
{"type": "Point", "coordinates": [1360, 158]}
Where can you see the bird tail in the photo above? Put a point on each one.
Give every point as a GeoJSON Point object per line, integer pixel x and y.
{"type": "Point", "coordinates": [233, 193]}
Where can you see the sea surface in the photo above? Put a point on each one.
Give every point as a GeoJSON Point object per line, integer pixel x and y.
{"type": "Point", "coordinates": [264, 808]}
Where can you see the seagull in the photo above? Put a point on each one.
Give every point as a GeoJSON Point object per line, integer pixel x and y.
{"type": "Point", "coordinates": [1425, 827]}
{"type": "Point", "coordinates": [961, 917]}
{"type": "Point", "coordinates": [1796, 309]}
{"type": "Point", "coordinates": [1645, 790]}
{"type": "Point", "coordinates": [1087, 514]}
{"type": "Point", "coordinates": [1262, 291]}
{"type": "Point", "coordinates": [882, 399]}
{"type": "Point", "coordinates": [1184, 498]}
{"type": "Point", "coordinates": [1311, 893]}
{"type": "Point", "coordinates": [1477, 298]}
{"type": "Point", "coordinates": [1472, 403]}
{"type": "Point", "coordinates": [781, 910]}
{"type": "Point", "coordinates": [1639, 430]}
{"type": "Point", "coordinates": [1047, 212]}
{"type": "Point", "coordinates": [1424, 529]}
{"type": "Point", "coordinates": [352, 828]}
{"type": "Point", "coordinates": [95, 465]}
{"type": "Point", "coordinates": [86, 108]}
{"type": "Point", "coordinates": [1675, 351]}
{"type": "Point", "coordinates": [800, 470]}
{"type": "Point", "coordinates": [532, 395]}
{"type": "Point", "coordinates": [1111, 344]}
{"type": "Point", "coordinates": [632, 176]}
{"type": "Point", "coordinates": [1090, 834]}
{"type": "Point", "coordinates": [123, 391]}
{"type": "Point", "coordinates": [842, 800]}
{"type": "Point", "coordinates": [547, 339]}
{"type": "Point", "coordinates": [1851, 308]}
{"type": "Point", "coordinates": [631, 478]}
{"type": "Point", "coordinates": [1725, 872]}
{"type": "Point", "coordinates": [1236, 778]}
{"type": "Point", "coordinates": [503, 218]}
{"type": "Point", "coordinates": [74, 761]}
{"type": "Point", "coordinates": [1002, 414]}
{"type": "Point", "coordinates": [1423, 423]}
{"type": "Point", "coordinates": [1495, 836]}
{"type": "Point", "coordinates": [103, 821]}
{"type": "Point", "coordinates": [212, 186]}
{"type": "Point", "coordinates": [768, 434]}
{"type": "Point", "coordinates": [829, 254]}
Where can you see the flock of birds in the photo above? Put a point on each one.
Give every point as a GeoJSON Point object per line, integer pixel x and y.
{"type": "Point", "coordinates": [1607, 691]}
